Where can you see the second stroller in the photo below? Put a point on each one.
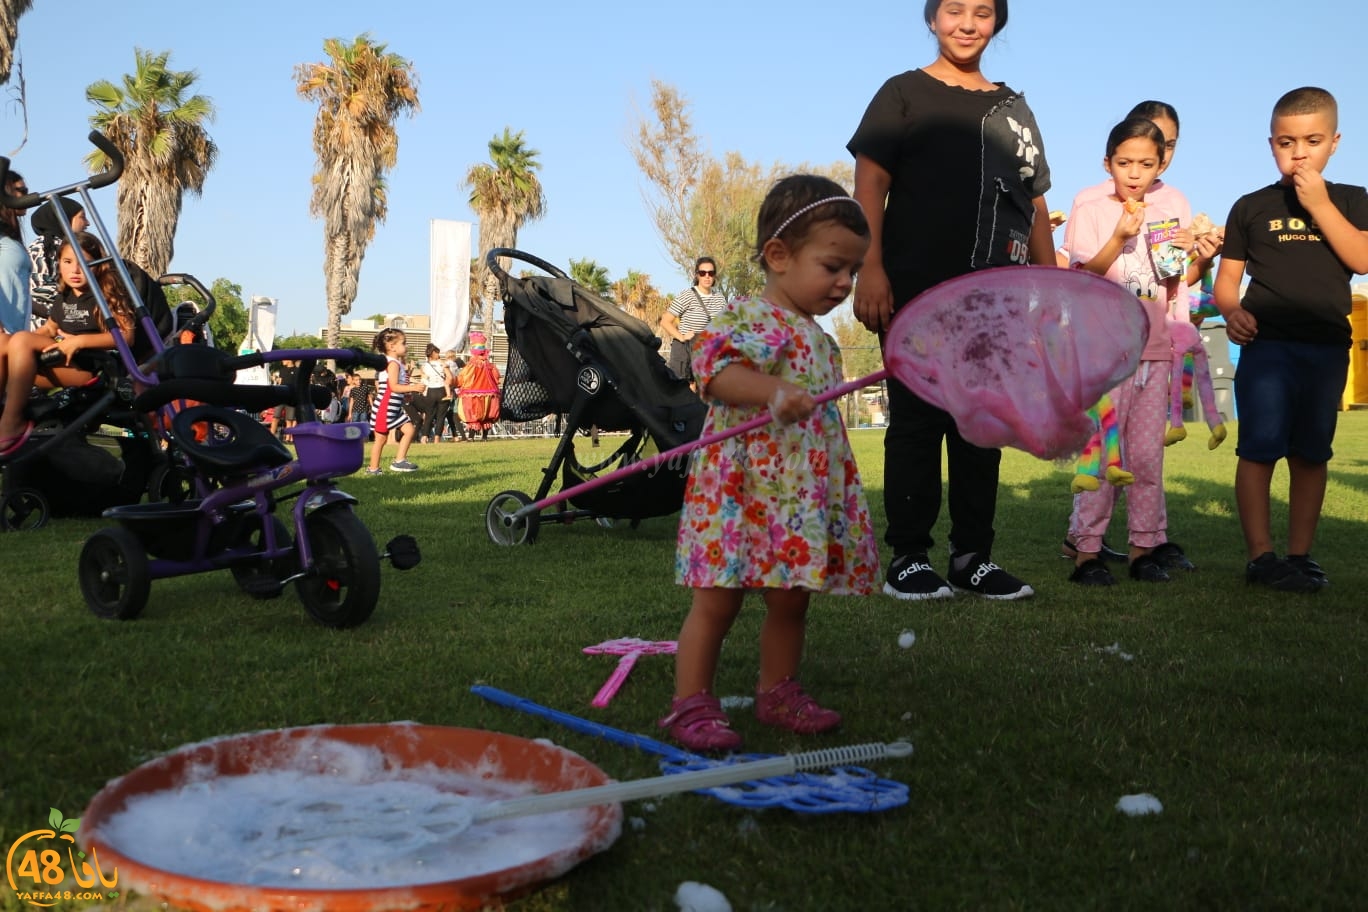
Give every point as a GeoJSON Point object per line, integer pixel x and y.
{"type": "Point", "coordinates": [572, 353]}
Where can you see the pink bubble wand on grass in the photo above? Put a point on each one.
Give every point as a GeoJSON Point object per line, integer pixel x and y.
{"type": "Point", "coordinates": [631, 649]}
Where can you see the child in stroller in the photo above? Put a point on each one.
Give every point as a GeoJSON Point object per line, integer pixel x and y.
{"type": "Point", "coordinates": [573, 353]}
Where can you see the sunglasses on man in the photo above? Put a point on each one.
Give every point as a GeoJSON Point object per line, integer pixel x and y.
{"type": "Point", "coordinates": [707, 272]}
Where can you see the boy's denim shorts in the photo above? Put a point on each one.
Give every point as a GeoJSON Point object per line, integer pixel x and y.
{"type": "Point", "coordinates": [1288, 394]}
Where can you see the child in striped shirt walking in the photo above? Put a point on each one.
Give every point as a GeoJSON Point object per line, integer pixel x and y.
{"type": "Point", "coordinates": [389, 415]}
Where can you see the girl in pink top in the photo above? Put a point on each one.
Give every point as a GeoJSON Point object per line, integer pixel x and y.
{"type": "Point", "coordinates": [1111, 236]}
{"type": "Point", "coordinates": [1200, 271]}
{"type": "Point", "coordinates": [1204, 249]}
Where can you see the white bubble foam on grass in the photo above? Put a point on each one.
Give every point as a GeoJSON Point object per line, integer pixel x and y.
{"type": "Point", "coordinates": [1139, 805]}
{"type": "Point", "coordinates": [699, 897]}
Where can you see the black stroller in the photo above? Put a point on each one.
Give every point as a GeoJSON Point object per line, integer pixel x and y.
{"type": "Point", "coordinates": [90, 449]}
{"type": "Point", "coordinates": [572, 353]}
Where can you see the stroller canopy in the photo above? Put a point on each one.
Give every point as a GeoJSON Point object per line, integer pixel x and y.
{"type": "Point", "coordinates": [557, 327]}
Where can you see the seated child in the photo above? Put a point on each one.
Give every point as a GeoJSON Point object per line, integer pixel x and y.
{"type": "Point", "coordinates": [74, 323]}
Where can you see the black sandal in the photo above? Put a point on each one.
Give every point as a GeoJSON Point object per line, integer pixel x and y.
{"type": "Point", "coordinates": [1147, 569]}
{"type": "Point", "coordinates": [1092, 572]}
{"type": "Point", "coordinates": [1171, 557]}
{"type": "Point", "coordinates": [1107, 553]}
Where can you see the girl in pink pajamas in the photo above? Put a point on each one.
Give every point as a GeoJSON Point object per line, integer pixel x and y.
{"type": "Point", "coordinates": [1110, 236]}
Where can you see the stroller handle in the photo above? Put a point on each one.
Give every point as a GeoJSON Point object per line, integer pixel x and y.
{"type": "Point", "coordinates": [103, 179]}
{"type": "Point", "coordinates": [340, 355]}
{"type": "Point", "coordinates": [492, 261]}
{"type": "Point", "coordinates": [185, 278]}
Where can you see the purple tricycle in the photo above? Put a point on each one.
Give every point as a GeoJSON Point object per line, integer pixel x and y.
{"type": "Point", "coordinates": [218, 497]}
{"type": "Point", "coordinates": [242, 478]}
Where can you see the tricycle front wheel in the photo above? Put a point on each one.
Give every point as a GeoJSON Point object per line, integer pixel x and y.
{"type": "Point", "coordinates": [113, 573]}
{"type": "Point", "coordinates": [343, 585]}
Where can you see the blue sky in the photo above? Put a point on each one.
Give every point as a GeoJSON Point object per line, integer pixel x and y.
{"type": "Point", "coordinates": [776, 82]}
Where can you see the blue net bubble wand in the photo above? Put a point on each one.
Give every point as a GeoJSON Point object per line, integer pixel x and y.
{"type": "Point", "coordinates": [842, 788]}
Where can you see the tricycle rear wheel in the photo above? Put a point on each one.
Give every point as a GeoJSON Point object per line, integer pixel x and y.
{"type": "Point", "coordinates": [261, 578]}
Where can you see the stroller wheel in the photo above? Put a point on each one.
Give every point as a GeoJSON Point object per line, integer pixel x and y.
{"type": "Point", "coordinates": [168, 483]}
{"type": "Point", "coordinates": [113, 574]}
{"type": "Point", "coordinates": [261, 577]}
{"type": "Point", "coordinates": [342, 587]}
{"type": "Point", "coordinates": [502, 523]}
{"type": "Point", "coordinates": [23, 510]}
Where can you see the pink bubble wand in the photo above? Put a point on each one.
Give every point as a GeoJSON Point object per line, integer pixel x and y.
{"type": "Point", "coordinates": [631, 649]}
{"type": "Point", "coordinates": [1015, 355]}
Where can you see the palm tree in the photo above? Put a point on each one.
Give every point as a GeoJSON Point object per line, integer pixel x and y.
{"type": "Point", "coordinates": [505, 194]}
{"type": "Point", "coordinates": [590, 275]}
{"type": "Point", "coordinates": [160, 129]}
{"type": "Point", "coordinates": [476, 294]}
{"type": "Point", "coordinates": [10, 11]}
{"type": "Point", "coordinates": [361, 90]}
{"type": "Point", "coordinates": [635, 294]}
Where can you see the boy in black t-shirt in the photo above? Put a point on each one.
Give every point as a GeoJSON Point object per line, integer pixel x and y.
{"type": "Point", "coordinates": [1301, 241]}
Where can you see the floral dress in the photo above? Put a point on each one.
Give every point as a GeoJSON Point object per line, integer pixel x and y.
{"type": "Point", "coordinates": [781, 506]}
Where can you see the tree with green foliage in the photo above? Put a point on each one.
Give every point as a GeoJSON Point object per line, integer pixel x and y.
{"type": "Point", "coordinates": [860, 353]}
{"type": "Point", "coordinates": [860, 357]}
{"type": "Point", "coordinates": [300, 340]}
{"type": "Point", "coordinates": [505, 194]}
{"type": "Point", "coordinates": [361, 89]}
{"type": "Point", "coordinates": [702, 206]}
{"type": "Point", "coordinates": [668, 155]}
{"type": "Point", "coordinates": [159, 127]}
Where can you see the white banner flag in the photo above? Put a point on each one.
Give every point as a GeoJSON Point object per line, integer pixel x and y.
{"type": "Point", "coordinates": [449, 282]}
{"type": "Point", "coordinates": [261, 325]}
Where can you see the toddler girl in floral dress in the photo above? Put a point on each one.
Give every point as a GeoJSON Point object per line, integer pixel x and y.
{"type": "Point", "coordinates": [780, 509]}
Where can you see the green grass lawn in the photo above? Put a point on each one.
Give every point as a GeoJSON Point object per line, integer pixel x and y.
{"type": "Point", "coordinates": [1241, 710]}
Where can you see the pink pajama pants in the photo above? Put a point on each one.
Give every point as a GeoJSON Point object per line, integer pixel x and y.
{"type": "Point", "coordinates": [1142, 404]}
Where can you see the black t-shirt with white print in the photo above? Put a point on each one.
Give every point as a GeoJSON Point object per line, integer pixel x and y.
{"type": "Point", "coordinates": [965, 167]}
{"type": "Point", "coordinates": [76, 315]}
{"type": "Point", "coordinates": [1298, 288]}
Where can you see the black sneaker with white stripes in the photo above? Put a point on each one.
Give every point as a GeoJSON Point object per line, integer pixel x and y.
{"type": "Point", "coordinates": [987, 579]}
{"type": "Point", "coordinates": [913, 578]}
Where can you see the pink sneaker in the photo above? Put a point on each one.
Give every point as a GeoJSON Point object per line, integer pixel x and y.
{"type": "Point", "coordinates": [786, 705]}
{"type": "Point", "coordinates": [698, 723]}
